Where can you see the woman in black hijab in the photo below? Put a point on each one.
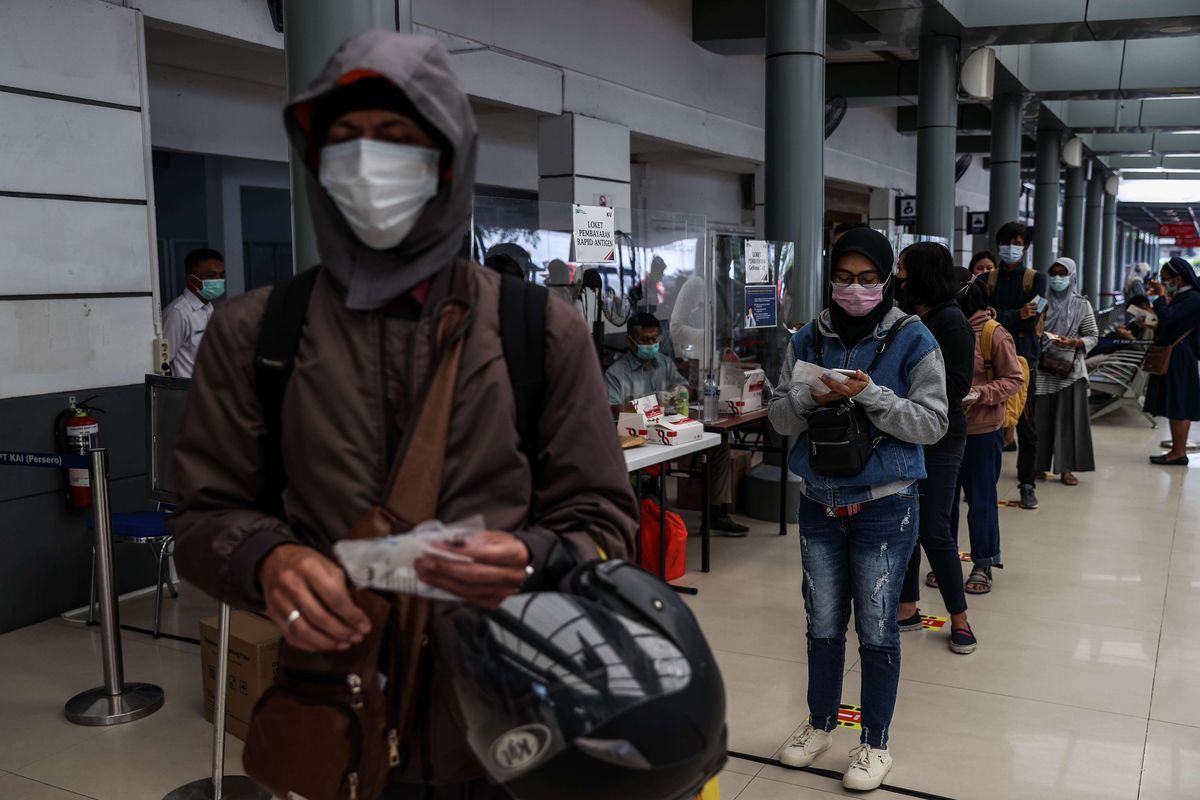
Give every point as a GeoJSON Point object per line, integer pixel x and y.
{"type": "Point", "coordinates": [1176, 395]}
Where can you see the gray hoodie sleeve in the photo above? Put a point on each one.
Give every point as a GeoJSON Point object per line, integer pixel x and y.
{"type": "Point", "coordinates": [921, 418]}
{"type": "Point", "coordinates": [790, 404]}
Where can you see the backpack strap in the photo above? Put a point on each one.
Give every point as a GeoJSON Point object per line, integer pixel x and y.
{"type": "Point", "coordinates": [887, 342]}
{"type": "Point", "coordinates": [1027, 279]}
{"type": "Point", "coordinates": [993, 280]}
{"type": "Point", "coordinates": [274, 357]}
{"type": "Point", "coordinates": [985, 346]}
{"type": "Point", "coordinates": [523, 337]}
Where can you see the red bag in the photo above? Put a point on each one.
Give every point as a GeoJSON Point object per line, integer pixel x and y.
{"type": "Point", "coordinates": [676, 541]}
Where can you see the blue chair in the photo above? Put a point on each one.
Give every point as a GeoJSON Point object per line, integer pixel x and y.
{"type": "Point", "coordinates": [146, 528]}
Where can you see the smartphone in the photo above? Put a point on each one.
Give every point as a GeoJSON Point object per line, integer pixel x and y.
{"type": "Point", "coordinates": [1041, 302]}
{"type": "Point", "coordinates": [847, 372]}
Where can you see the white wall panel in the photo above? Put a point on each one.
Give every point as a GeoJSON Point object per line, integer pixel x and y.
{"type": "Point", "coordinates": [94, 247]}
{"type": "Point", "coordinates": [59, 345]}
{"type": "Point", "coordinates": [37, 51]}
{"type": "Point", "coordinates": [246, 20]}
{"type": "Point", "coordinates": [202, 113]}
{"type": "Point", "coordinates": [57, 147]}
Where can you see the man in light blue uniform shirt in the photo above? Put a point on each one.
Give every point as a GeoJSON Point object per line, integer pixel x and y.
{"type": "Point", "coordinates": [645, 370]}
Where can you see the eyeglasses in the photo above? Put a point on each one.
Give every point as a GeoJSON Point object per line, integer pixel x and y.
{"type": "Point", "coordinates": [843, 279]}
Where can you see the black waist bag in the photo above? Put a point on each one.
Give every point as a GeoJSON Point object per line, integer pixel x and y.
{"type": "Point", "coordinates": [841, 438]}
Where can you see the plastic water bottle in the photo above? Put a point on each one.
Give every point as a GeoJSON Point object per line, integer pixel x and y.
{"type": "Point", "coordinates": [681, 401]}
{"type": "Point", "coordinates": [712, 400]}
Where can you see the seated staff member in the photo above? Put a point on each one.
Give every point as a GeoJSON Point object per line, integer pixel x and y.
{"type": "Point", "coordinates": [859, 526]}
{"type": "Point", "coordinates": [997, 377]}
{"type": "Point", "coordinates": [645, 370]}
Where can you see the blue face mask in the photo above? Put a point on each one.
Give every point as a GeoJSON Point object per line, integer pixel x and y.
{"type": "Point", "coordinates": [212, 289]}
{"type": "Point", "coordinates": [1059, 283]}
{"type": "Point", "coordinates": [648, 352]}
{"type": "Point", "coordinates": [1011, 253]}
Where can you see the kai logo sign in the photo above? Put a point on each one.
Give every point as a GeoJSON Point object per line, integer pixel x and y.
{"type": "Point", "coordinates": [520, 747]}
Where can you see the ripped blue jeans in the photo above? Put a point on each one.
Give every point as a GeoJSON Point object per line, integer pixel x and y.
{"type": "Point", "coordinates": [864, 558]}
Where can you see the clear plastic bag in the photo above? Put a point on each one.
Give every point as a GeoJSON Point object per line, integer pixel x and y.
{"type": "Point", "coordinates": [386, 564]}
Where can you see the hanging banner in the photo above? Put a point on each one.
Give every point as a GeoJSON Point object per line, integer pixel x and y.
{"type": "Point", "coordinates": [758, 262]}
{"type": "Point", "coordinates": [592, 235]}
{"type": "Point", "coordinates": [760, 307]}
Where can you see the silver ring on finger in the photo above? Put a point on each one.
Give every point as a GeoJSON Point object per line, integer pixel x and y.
{"type": "Point", "coordinates": [292, 617]}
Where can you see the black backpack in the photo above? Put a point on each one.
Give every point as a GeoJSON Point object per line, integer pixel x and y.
{"type": "Point", "coordinates": [522, 333]}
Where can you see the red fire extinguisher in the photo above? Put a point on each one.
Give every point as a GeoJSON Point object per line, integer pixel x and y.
{"type": "Point", "coordinates": [77, 432]}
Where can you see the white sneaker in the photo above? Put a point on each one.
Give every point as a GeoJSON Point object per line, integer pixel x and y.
{"type": "Point", "coordinates": [868, 767]}
{"type": "Point", "coordinates": [805, 746]}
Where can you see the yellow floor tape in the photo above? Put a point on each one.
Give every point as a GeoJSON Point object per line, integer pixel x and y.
{"type": "Point", "coordinates": [712, 791]}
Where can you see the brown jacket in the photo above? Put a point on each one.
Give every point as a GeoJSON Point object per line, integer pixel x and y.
{"type": "Point", "coordinates": [986, 414]}
{"type": "Point", "coordinates": [356, 388]}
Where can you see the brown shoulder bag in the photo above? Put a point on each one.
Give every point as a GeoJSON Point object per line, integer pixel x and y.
{"type": "Point", "coordinates": [331, 726]}
{"type": "Point", "coordinates": [1158, 356]}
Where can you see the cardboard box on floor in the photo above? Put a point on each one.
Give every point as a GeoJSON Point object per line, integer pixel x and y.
{"type": "Point", "coordinates": [253, 659]}
{"type": "Point", "coordinates": [742, 387]}
{"type": "Point", "coordinates": [689, 489]}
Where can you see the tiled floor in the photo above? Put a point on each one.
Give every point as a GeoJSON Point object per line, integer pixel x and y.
{"type": "Point", "coordinates": [1084, 685]}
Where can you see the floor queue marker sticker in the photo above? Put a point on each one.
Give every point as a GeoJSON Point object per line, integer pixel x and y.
{"type": "Point", "coordinates": [932, 623]}
{"type": "Point", "coordinates": [964, 557]}
{"type": "Point", "coordinates": [849, 716]}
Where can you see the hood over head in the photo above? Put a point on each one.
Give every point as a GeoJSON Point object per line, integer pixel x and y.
{"type": "Point", "coordinates": [1065, 309]}
{"type": "Point", "coordinates": [419, 69]}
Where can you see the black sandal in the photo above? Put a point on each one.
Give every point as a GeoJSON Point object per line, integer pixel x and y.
{"type": "Point", "coordinates": [979, 577]}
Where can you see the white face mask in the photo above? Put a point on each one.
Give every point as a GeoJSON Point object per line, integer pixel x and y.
{"type": "Point", "coordinates": [380, 187]}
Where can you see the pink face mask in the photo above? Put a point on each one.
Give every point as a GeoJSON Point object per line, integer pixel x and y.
{"type": "Point", "coordinates": [858, 301]}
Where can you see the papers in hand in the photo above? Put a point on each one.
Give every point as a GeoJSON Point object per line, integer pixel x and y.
{"type": "Point", "coordinates": [809, 373]}
{"type": "Point", "coordinates": [386, 564]}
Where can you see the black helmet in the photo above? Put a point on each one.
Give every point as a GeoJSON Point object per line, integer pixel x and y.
{"type": "Point", "coordinates": [606, 691]}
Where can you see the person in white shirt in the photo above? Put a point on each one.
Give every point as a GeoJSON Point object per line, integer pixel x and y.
{"type": "Point", "coordinates": [186, 318]}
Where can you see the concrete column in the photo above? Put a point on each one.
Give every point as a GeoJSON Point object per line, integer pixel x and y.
{"type": "Point", "coordinates": [882, 210]}
{"type": "Point", "coordinates": [760, 202]}
{"type": "Point", "coordinates": [1108, 248]}
{"type": "Point", "coordinates": [1073, 204]}
{"type": "Point", "coordinates": [1004, 191]}
{"type": "Point", "coordinates": [312, 31]}
{"type": "Point", "coordinates": [1092, 224]}
{"type": "Point", "coordinates": [795, 142]}
{"type": "Point", "coordinates": [583, 160]}
{"type": "Point", "coordinates": [937, 133]}
{"type": "Point", "coordinates": [1045, 198]}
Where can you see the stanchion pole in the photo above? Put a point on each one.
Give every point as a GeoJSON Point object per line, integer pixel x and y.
{"type": "Point", "coordinates": [116, 701]}
{"type": "Point", "coordinates": [219, 786]}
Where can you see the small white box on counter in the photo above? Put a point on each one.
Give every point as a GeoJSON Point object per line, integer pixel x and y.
{"type": "Point", "coordinates": [674, 430]}
{"type": "Point", "coordinates": [742, 388]}
{"type": "Point", "coordinates": [637, 422]}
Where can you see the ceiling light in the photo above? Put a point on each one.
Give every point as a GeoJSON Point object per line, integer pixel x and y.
{"type": "Point", "coordinates": [875, 42]}
{"type": "Point", "coordinates": [1184, 132]}
{"type": "Point", "coordinates": [1181, 155]}
{"type": "Point", "coordinates": [1175, 29]}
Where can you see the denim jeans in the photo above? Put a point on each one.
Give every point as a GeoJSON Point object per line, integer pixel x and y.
{"type": "Point", "coordinates": [861, 559]}
{"type": "Point", "coordinates": [939, 503]}
{"type": "Point", "coordinates": [977, 479]}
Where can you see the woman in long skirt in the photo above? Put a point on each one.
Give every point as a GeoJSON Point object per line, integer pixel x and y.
{"type": "Point", "coordinates": [1176, 395]}
{"type": "Point", "coordinates": [1063, 425]}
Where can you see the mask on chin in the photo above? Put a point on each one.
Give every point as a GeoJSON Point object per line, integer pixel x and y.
{"type": "Point", "coordinates": [381, 188]}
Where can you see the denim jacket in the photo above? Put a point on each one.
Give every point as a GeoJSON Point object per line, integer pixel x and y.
{"type": "Point", "coordinates": [905, 401]}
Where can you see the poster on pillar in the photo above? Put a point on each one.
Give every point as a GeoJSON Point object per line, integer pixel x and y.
{"type": "Point", "coordinates": [592, 235]}
{"type": "Point", "coordinates": [760, 307]}
{"type": "Point", "coordinates": [758, 262]}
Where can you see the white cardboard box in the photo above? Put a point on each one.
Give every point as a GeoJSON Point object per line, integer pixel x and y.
{"type": "Point", "coordinates": [675, 430]}
{"type": "Point", "coordinates": [742, 388]}
{"type": "Point", "coordinates": [637, 422]}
